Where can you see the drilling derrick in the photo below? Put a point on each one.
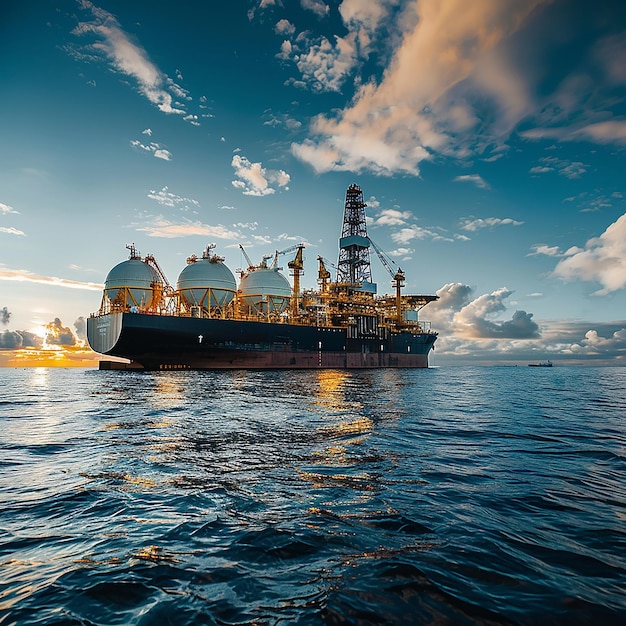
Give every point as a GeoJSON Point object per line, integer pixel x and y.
{"type": "Point", "coordinates": [354, 266]}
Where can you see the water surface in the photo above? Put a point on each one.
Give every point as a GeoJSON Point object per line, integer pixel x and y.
{"type": "Point", "coordinates": [491, 495]}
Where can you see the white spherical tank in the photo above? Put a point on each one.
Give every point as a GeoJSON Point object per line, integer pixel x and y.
{"type": "Point", "coordinates": [266, 290]}
{"type": "Point", "coordinates": [130, 283]}
{"type": "Point", "coordinates": [206, 282]}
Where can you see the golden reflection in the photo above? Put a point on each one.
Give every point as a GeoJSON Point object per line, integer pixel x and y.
{"type": "Point", "coordinates": [330, 390]}
{"type": "Point", "coordinates": [359, 482]}
{"type": "Point", "coordinates": [358, 426]}
{"type": "Point", "coordinates": [138, 480]}
{"type": "Point", "coordinates": [168, 393]}
{"type": "Point", "coordinates": [152, 553]}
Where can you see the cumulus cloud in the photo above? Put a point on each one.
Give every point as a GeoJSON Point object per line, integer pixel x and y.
{"type": "Point", "coordinates": [255, 180]}
{"type": "Point", "coordinates": [5, 316]}
{"type": "Point", "coordinates": [472, 225]}
{"type": "Point", "coordinates": [318, 7]}
{"type": "Point", "coordinates": [323, 65]}
{"type": "Point", "coordinates": [473, 319]}
{"type": "Point", "coordinates": [392, 217]}
{"type": "Point", "coordinates": [458, 314]}
{"type": "Point", "coordinates": [59, 335]}
{"type": "Point", "coordinates": [468, 332]}
{"type": "Point", "coordinates": [161, 227]}
{"type": "Point", "coordinates": [13, 340]}
{"type": "Point", "coordinates": [603, 259]}
{"type": "Point", "coordinates": [473, 178]}
{"type": "Point", "coordinates": [128, 57]}
{"type": "Point", "coordinates": [80, 324]}
{"type": "Point", "coordinates": [452, 298]}
{"type": "Point", "coordinates": [30, 277]}
{"type": "Point", "coordinates": [594, 345]}
{"type": "Point", "coordinates": [284, 27]}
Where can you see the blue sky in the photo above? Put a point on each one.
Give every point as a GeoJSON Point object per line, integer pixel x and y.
{"type": "Point", "coordinates": [488, 138]}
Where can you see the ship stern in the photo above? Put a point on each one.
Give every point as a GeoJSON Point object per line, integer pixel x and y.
{"type": "Point", "coordinates": [103, 331]}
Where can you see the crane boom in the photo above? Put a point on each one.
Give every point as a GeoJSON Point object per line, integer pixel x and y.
{"type": "Point", "coordinates": [245, 254]}
{"type": "Point", "coordinates": [397, 279]}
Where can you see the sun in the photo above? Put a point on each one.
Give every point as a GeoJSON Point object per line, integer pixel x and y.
{"type": "Point", "coordinates": [40, 331]}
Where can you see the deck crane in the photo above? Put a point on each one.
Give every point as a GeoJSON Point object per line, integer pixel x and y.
{"type": "Point", "coordinates": [281, 252]}
{"type": "Point", "coordinates": [323, 275]}
{"type": "Point", "coordinates": [296, 265]}
{"type": "Point", "coordinates": [251, 265]}
{"type": "Point", "coordinates": [397, 279]}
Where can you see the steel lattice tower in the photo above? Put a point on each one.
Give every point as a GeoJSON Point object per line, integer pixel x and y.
{"type": "Point", "coordinates": [354, 255]}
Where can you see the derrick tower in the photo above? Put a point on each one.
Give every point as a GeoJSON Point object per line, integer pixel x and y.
{"type": "Point", "coordinates": [354, 255]}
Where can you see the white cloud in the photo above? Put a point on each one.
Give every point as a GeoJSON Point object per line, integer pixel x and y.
{"type": "Point", "coordinates": [404, 235]}
{"type": "Point", "coordinates": [129, 58]}
{"type": "Point", "coordinates": [255, 180]}
{"type": "Point", "coordinates": [12, 231]}
{"type": "Point", "coordinates": [25, 276]}
{"type": "Point", "coordinates": [542, 248]}
{"type": "Point", "coordinates": [318, 7]}
{"type": "Point", "coordinates": [569, 169]}
{"type": "Point", "coordinates": [166, 198]}
{"type": "Point", "coordinates": [192, 119]}
{"type": "Point", "coordinates": [472, 225]}
{"type": "Point", "coordinates": [603, 259]}
{"type": "Point", "coordinates": [154, 148]}
{"type": "Point", "coordinates": [392, 217]}
{"type": "Point", "coordinates": [165, 155]}
{"type": "Point", "coordinates": [160, 227]}
{"type": "Point", "coordinates": [324, 66]}
{"type": "Point", "coordinates": [284, 27]}
{"type": "Point", "coordinates": [405, 253]}
{"type": "Point", "coordinates": [5, 208]}
{"type": "Point", "coordinates": [473, 178]}
{"type": "Point", "coordinates": [594, 344]}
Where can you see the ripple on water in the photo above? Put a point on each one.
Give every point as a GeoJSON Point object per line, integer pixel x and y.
{"type": "Point", "coordinates": [468, 495]}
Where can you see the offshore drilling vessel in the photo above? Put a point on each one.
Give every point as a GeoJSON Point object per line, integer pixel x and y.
{"type": "Point", "coordinates": [208, 322]}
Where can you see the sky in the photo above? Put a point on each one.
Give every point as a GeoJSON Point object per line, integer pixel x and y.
{"type": "Point", "coordinates": [488, 137]}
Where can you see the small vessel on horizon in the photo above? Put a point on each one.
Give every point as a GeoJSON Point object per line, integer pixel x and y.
{"type": "Point", "coordinates": [541, 364]}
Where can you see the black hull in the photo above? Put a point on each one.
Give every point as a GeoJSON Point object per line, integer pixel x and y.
{"type": "Point", "coordinates": [171, 342]}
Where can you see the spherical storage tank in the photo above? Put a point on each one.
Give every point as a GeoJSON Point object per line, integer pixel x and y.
{"type": "Point", "coordinates": [133, 278]}
{"type": "Point", "coordinates": [266, 290]}
{"type": "Point", "coordinates": [206, 282]}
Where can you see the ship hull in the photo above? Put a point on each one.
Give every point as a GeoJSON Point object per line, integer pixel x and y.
{"type": "Point", "coordinates": [171, 342]}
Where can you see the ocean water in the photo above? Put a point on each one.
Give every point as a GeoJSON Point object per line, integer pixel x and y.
{"type": "Point", "coordinates": [460, 495]}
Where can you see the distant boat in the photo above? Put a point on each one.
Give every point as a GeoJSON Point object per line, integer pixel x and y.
{"type": "Point", "coordinates": [542, 364]}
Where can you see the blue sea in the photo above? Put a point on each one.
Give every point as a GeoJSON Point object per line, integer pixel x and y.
{"type": "Point", "coordinates": [459, 495]}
